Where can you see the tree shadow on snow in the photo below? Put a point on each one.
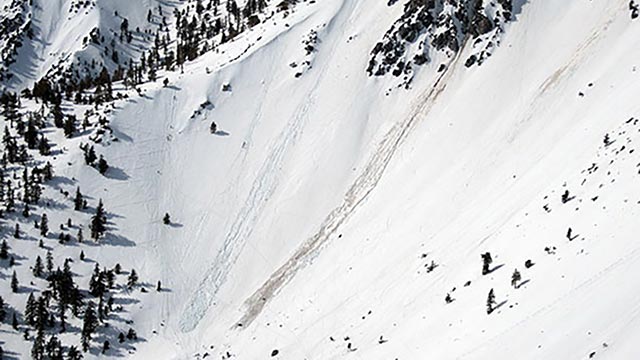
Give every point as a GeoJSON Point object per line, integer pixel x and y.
{"type": "Point", "coordinates": [221, 133]}
{"type": "Point", "coordinates": [495, 268]}
{"type": "Point", "coordinates": [500, 305]}
{"type": "Point", "coordinates": [116, 173]}
{"type": "Point", "coordinates": [523, 283]}
{"type": "Point", "coordinates": [116, 240]}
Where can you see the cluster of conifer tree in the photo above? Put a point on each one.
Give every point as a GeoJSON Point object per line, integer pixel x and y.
{"type": "Point", "coordinates": [24, 173]}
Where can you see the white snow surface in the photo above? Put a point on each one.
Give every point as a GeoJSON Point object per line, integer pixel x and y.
{"type": "Point", "coordinates": [306, 223]}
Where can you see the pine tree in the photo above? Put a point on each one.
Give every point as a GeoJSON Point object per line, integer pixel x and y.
{"type": "Point", "coordinates": [80, 235]}
{"type": "Point", "coordinates": [73, 353]}
{"type": "Point", "coordinates": [58, 115]}
{"type": "Point", "coordinates": [102, 165]}
{"type": "Point", "coordinates": [26, 211]}
{"type": "Point", "coordinates": [89, 325]}
{"type": "Point", "coordinates": [43, 146]}
{"type": "Point", "coordinates": [121, 337]}
{"type": "Point", "coordinates": [44, 225]}
{"type": "Point", "coordinates": [77, 201]}
{"type": "Point", "coordinates": [70, 126]}
{"type": "Point", "coordinates": [37, 351]}
{"type": "Point", "coordinates": [486, 262]}
{"type": "Point", "coordinates": [15, 285]}
{"type": "Point", "coordinates": [49, 260]}
{"type": "Point", "coordinates": [31, 135]}
{"type": "Point", "coordinates": [30, 310]}
{"type": "Point", "coordinates": [98, 222]}
{"type": "Point", "coordinates": [14, 321]}
{"type": "Point", "coordinates": [4, 250]}
{"type": "Point", "coordinates": [166, 219]}
{"type": "Point", "coordinates": [491, 302]}
{"type": "Point", "coordinates": [105, 346]}
{"type": "Point", "coordinates": [37, 267]}
{"type": "Point", "coordinates": [159, 287]}
{"type": "Point", "coordinates": [81, 255]}
{"type": "Point", "coordinates": [48, 171]}
{"type": "Point", "coordinates": [54, 348]}
{"type": "Point", "coordinates": [3, 311]}
{"type": "Point", "coordinates": [133, 279]}
{"type": "Point", "coordinates": [97, 286]}
{"type": "Point", "coordinates": [16, 233]}
{"type": "Point", "coordinates": [90, 155]}
{"type": "Point", "coordinates": [515, 278]}
{"type": "Point", "coordinates": [131, 334]}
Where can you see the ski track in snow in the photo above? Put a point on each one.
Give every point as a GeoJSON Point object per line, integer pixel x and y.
{"type": "Point", "coordinates": [241, 229]}
{"type": "Point", "coordinates": [264, 186]}
{"type": "Point", "coordinates": [364, 184]}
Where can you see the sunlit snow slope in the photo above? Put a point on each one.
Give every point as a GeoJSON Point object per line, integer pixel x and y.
{"type": "Point", "coordinates": [307, 223]}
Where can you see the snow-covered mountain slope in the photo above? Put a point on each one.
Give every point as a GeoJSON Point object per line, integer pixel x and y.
{"type": "Point", "coordinates": [337, 214]}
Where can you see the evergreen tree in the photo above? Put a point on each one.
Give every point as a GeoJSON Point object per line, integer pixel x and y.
{"type": "Point", "coordinates": [98, 222]}
{"type": "Point", "coordinates": [15, 285]}
{"type": "Point", "coordinates": [131, 334]}
{"type": "Point", "coordinates": [159, 287]}
{"type": "Point", "coordinates": [44, 225]}
{"type": "Point", "coordinates": [3, 311]}
{"type": "Point", "coordinates": [486, 262]}
{"type": "Point", "coordinates": [14, 321]}
{"type": "Point", "coordinates": [97, 283]}
{"type": "Point", "coordinates": [102, 165]}
{"type": "Point", "coordinates": [38, 268]}
{"type": "Point", "coordinates": [491, 302]}
{"type": "Point", "coordinates": [132, 279]}
{"type": "Point", "coordinates": [10, 107]}
{"type": "Point", "coordinates": [48, 171]}
{"type": "Point", "coordinates": [80, 235]}
{"type": "Point", "coordinates": [16, 233]}
{"type": "Point", "coordinates": [515, 278]}
{"type": "Point", "coordinates": [31, 135]}
{"type": "Point", "coordinates": [77, 201]}
{"type": "Point", "coordinates": [58, 115]}
{"type": "Point", "coordinates": [54, 348]}
{"type": "Point", "coordinates": [26, 211]}
{"type": "Point", "coordinates": [70, 126]}
{"type": "Point", "coordinates": [49, 260]}
{"type": "Point", "coordinates": [105, 346]}
{"type": "Point", "coordinates": [89, 325]}
{"type": "Point", "coordinates": [166, 219]}
{"type": "Point", "coordinates": [73, 353]}
{"type": "Point", "coordinates": [37, 351]}
{"type": "Point", "coordinates": [4, 250]}
{"type": "Point", "coordinates": [90, 155]}
{"type": "Point", "coordinates": [30, 310]}
{"type": "Point", "coordinates": [43, 146]}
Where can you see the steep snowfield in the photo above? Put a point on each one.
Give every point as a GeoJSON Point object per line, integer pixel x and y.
{"type": "Point", "coordinates": [306, 223]}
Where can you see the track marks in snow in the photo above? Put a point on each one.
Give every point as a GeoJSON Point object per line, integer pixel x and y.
{"type": "Point", "coordinates": [264, 186]}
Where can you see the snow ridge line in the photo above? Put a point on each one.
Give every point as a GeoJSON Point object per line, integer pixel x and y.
{"type": "Point", "coordinates": [359, 191]}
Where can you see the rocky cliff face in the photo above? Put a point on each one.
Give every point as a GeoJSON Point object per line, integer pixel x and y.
{"type": "Point", "coordinates": [442, 26]}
